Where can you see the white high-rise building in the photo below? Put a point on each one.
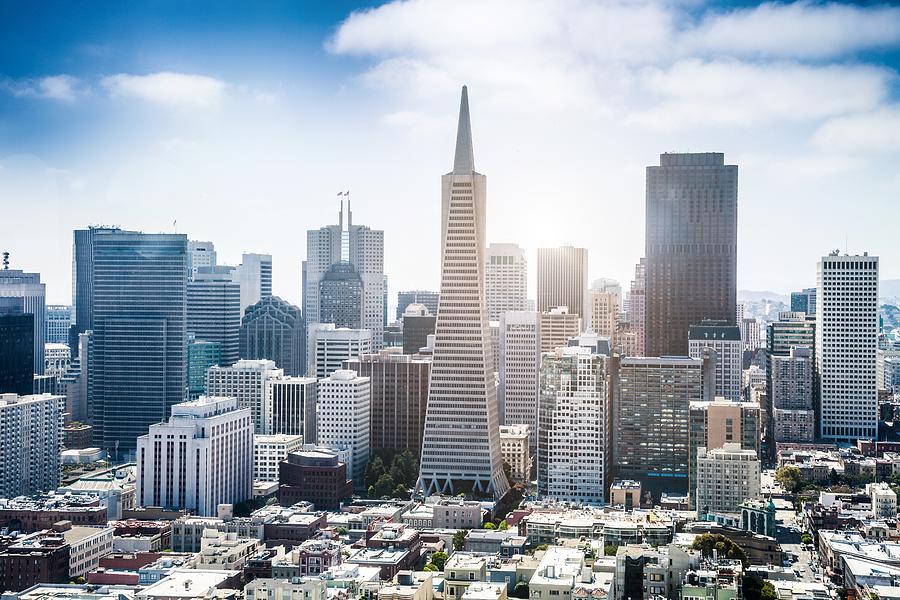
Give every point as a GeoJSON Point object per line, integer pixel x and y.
{"type": "Point", "coordinates": [505, 279]}
{"type": "Point", "coordinates": [200, 254]}
{"type": "Point", "coordinates": [846, 344]}
{"type": "Point", "coordinates": [201, 458]}
{"type": "Point", "coordinates": [520, 363]}
{"type": "Point", "coordinates": [791, 396]}
{"type": "Point", "coordinates": [562, 280]}
{"type": "Point", "coordinates": [360, 247]}
{"type": "Point", "coordinates": [726, 477]}
{"type": "Point", "coordinates": [254, 275]}
{"type": "Point", "coordinates": [573, 464]}
{"type": "Point", "coordinates": [330, 346]}
{"type": "Point", "coordinates": [245, 381]}
{"type": "Point", "coordinates": [30, 442]}
{"type": "Point", "coordinates": [343, 418]}
{"type": "Point", "coordinates": [269, 450]}
{"type": "Point", "coordinates": [725, 340]}
{"type": "Point", "coordinates": [606, 298]}
{"type": "Point", "coordinates": [461, 444]}
{"type": "Point", "coordinates": [637, 308]}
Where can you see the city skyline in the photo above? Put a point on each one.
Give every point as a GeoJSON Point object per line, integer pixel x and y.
{"type": "Point", "coordinates": [154, 130]}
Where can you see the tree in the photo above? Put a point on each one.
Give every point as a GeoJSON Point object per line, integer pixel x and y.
{"type": "Point", "coordinates": [610, 550]}
{"type": "Point", "coordinates": [540, 547]}
{"type": "Point", "coordinates": [724, 547]}
{"type": "Point", "coordinates": [789, 478]}
{"type": "Point", "coordinates": [429, 567]}
{"type": "Point", "coordinates": [459, 539]}
{"type": "Point", "coordinates": [768, 591]}
{"type": "Point", "coordinates": [374, 470]}
{"type": "Point", "coordinates": [439, 559]}
{"type": "Point", "coordinates": [806, 539]}
{"type": "Point", "coordinates": [521, 590]}
{"type": "Point", "coordinates": [503, 526]}
{"type": "Point", "coordinates": [490, 525]}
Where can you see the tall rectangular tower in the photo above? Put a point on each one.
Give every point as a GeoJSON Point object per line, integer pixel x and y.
{"type": "Point", "coordinates": [691, 248]}
{"type": "Point", "coordinates": [562, 280]}
{"type": "Point", "coordinates": [846, 344]}
{"type": "Point", "coordinates": [138, 351]}
{"type": "Point", "coordinates": [461, 445]}
{"type": "Point", "coordinates": [506, 279]}
{"type": "Point", "coordinates": [520, 363]}
{"type": "Point", "coordinates": [27, 286]}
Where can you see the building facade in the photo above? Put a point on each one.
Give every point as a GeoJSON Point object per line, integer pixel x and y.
{"type": "Point", "coordinates": [791, 395]}
{"type": "Point", "coordinates": [245, 381]}
{"type": "Point", "coordinates": [725, 341]}
{"type": "Point", "coordinates": [462, 388]}
{"type": "Point", "coordinates": [214, 310]}
{"type": "Point", "coordinates": [846, 343]}
{"type": "Point", "coordinates": [330, 346]}
{"type": "Point", "coordinates": [505, 279]}
{"type": "Point", "coordinates": [558, 325]}
{"type": "Point", "coordinates": [726, 477]}
{"type": "Point", "coordinates": [562, 280]}
{"type": "Point", "coordinates": [274, 329]}
{"type": "Point", "coordinates": [200, 458]}
{"type": "Point", "coordinates": [269, 451]}
{"type": "Point", "coordinates": [343, 413]}
{"type": "Point", "coordinates": [59, 320]}
{"type": "Point", "coordinates": [520, 363]}
{"type": "Point", "coordinates": [16, 348]}
{"type": "Point", "coordinates": [691, 248]}
{"type": "Point", "coordinates": [30, 443]}
{"type": "Point", "coordinates": [429, 299]}
{"type": "Point", "coordinates": [254, 276]}
{"type": "Point", "coordinates": [27, 286]}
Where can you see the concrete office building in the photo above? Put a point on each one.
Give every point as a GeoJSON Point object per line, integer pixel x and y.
{"type": "Point", "coordinates": [16, 348]}
{"type": "Point", "coordinates": [274, 329]}
{"type": "Point", "coordinates": [269, 451]}
{"type": "Point", "coordinates": [245, 381]}
{"type": "Point", "coordinates": [429, 299]}
{"type": "Point", "coordinates": [791, 395]}
{"type": "Point", "coordinates": [651, 419]}
{"type": "Point", "coordinates": [418, 324]}
{"type": "Point", "coordinates": [200, 254]}
{"type": "Point", "coordinates": [344, 406]}
{"type": "Point", "coordinates": [887, 370]}
{"type": "Point", "coordinates": [398, 398]}
{"type": "Point", "coordinates": [27, 286]}
{"type": "Point", "coordinates": [290, 407]}
{"type": "Point", "coordinates": [515, 448]}
{"type": "Point", "coordinates": [138, 349]}
{"type": "Point", "coordinates": [56, 359]}
{"type": "Point", "coordinates": [330, 346]}
{"type": "Point", "coordinates": [804, 301]}
{"type": "Point", "coordinates": [505, 279]}
{"type": "Point", "coordinates": [30, 443]}
{"type": "Point", "coordinates": [254, 276]}
{"type": "Point", "coordinates": [606, 298]}
{"type": "Point", "coordinates": [751, 337]}
{"type": "Point", "coordinates": [214, 310]}
{"type": "Point", "coordinates": [362, 249]}
{"type": "Point", "coordinates": [574, 426]}
{"type": "Point", "coordinates": [691, 248]}
{"type": "Point", "coordinates": [59, 321]}
{"type": "Point", "coordinates": [341, 296]}
{"type": "Point", "coordinates": [846, 342]}
{"type": "Point", "coordinates": [792, 329]}
{"type": "Point", "coordinates": [562, 280]}
{"type": "Point", "coordinates": [637, 308]}
{"type": "Point", "coordinates": [520, 363]}
{"type": "Point", "coordinates": [726, 477]}
{"type": "Point", "coordinates": [462, 388]}
{"type": "Point", "coordinates": [715, 423]}
{"type": "Point", "coordinates": [558, 325]}
{"type": "Point", "coordinates": [725, 341]}
{"type": "Point", "coordinates": [200, 458]}
{"type": "Point", "coordinates": [74, 383]}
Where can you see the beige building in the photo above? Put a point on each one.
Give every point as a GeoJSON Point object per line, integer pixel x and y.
{"type": "Point", "coordinates": [562, 280]}
{"type": "Point", "coordinates": [505, 279]}
{"type": "Point", "coordinates": [557, 574]}
{"type": "Point", "coordinates": [605, 300]}
{"type": "Point", "coordinates": [625, 493]}
{"type": "Point", "coordinates": [408, 585]}
{"type": "Point", "coordinates": [725, 478]}
{"type": "Point", "coordinates": [296, 588]}
{"type": "Point", "coordinates": [456, 513]}
{"type": "Point", "coordinates": [485, 591]}
{"type": "Point", "coordinates": [225, 550]}
{"type": "Point", "coordinates": [462, 570]}
{"type": "Point", "coordinates": [558, 324]}
{"type": "Point", "coordinates": [515, 441]}
{"type": "Point", "coordinates": [269, 450]}
{"type": "Point", "coordinates": [87, 545]}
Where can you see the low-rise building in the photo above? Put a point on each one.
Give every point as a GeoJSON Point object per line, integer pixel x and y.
{"type": "Point", "coordinates": [269, 451]}
{"type": "Point", "coordinates": [462, 570]}
{"type": "Point", "coordinates": [193, 584]}
{"type": "Point", "coordinates": [646, 572]}
{"type": "Point", "coordinates": [35, 513]}
{"type": "Point", "coordinates": [225, 551]}
{"type": "Point", "coordinates": [40, 557]}
{"type": "Point", "coordinates": [389, 561]}
{"type": "Point", "coordinates": [515, 444]}
{"type": "Point", "coordinates": [456, 513]}
{"type": "Point", "coordinates": [187, 532]}
{"type": "Point", "coordinates": [314, 475]}
{"type": "Point", "coordinates": [87, 545]}
{"type": "Point", "coordinates": [408, 585]}
{"type": "Point", "coordinates": [726, 477]}
{"type": "Point", "coordinates": [298, 588]}
{"type": "Point", "coordinates": [884, 500]}
{"type": "Point", "coordinates": [625, 493]}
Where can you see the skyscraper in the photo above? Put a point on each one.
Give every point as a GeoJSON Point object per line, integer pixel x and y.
{"type": "Point", "coordinates": [637, 308]}
{"type": "Point", "coordinates": [83, 281]}
{"type": "Point", "coordinates": [274, 329]}
{"type": "Point", "coordinates": [330, 346]}
{"type": "Point", "coordinates": [804, 301]}
{"type": "Point", "coordinates": [138, 349]}
{"type": "Point", "coordinates": [505, 279]}
{"type": "Point", "coordinates": [342, 418]}
{"type": "Point", "coordinates": [791, 395]}
{"type": "Point", "coordinates": [691, 248]}
{"type": "Point", "coordinates": [341, 296]}
{"type": "Point", "coordinates": [200, 254]}
{"type": "Point", "coordinates": [30, 440]}
{"type": "Point", "coordinates": [574, 429]}
{"type": "Point", "coordinates": [254, 275]}
{"type": "Point", "coordinates": [605, 295]}
{"type": "Point", "coordinates": [418, 324]}
{"type": "Point", "coordinates": [520, 362]}
{"type": "Point", "coordinates": [27, 286]}
{"type": "Point", "coordinates": [358, 246]}
{"type": "Point", "coordinates": [461, 445]}
{"type": "Point", "coordinates": [16, 348]}
{"type": "Point", "coordinates": [214, 310]}
{"type": "Point", "coordinates": [429, 299]}
{"type": "Point", "coordinates": [59, 320]}
{"type": "Point", "coordinates": [562, 280]}
{"type": "Point", "coordinates": [245, 380]}
{"type": "Point", "coordinates": [725, 340]}
{"type": "Point", "coordinates": [846, 343]}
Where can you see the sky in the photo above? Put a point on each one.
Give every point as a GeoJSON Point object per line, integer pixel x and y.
{"type": "Point", "coordinates": [238, 123]}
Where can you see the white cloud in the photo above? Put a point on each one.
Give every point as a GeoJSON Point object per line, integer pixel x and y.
{"type": "Point", "coordinates": [64, 88]}
{"type": "Point", "coordinates": [798, 30]}
{"type": "Point", "coordinates": [175, 89]}
{"type": "Point", "coordinates": [874, 132]}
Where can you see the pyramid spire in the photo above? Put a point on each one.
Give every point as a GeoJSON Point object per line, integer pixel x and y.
{"type": "Point", "coordinates": [464, 159]}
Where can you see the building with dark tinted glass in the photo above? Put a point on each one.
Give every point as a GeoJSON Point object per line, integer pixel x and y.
{"type": "Point", "coordinates": [691, 248]}
{"type": "Point", "coordinates": [214, 310]}
{"type": "Point", "coordinates": [16, 348]}
{"type": "Point", "coordinates": [28, 287]}
{"type": "Point", "coordinates": [341, 296]}
{"type": "Point", "coordinates": [273, 329]}
{"type": "Point", "coordinates": [315, 475]}
{"type": "Point", "coordinates": [429, 299]}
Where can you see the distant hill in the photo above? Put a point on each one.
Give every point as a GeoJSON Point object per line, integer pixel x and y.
{"type": "Point", "coordinates": [754, 296]}
{"type": "Point", "coordinates": [889, 288]}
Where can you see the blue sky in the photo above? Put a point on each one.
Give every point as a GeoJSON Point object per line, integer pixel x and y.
{"type": "Point", "coordinates": [242, 120]}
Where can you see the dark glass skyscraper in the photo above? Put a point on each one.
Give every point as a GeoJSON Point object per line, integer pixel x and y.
{"type": "Point", "coordinates": [691, 246]}
{"type": "Point", "coordinates": [83, 282]}
{"type": "Point", "coordinates": [214, 310]}
{"type": "Point", "coordinates": [16, 348]}
{"type": "Point", "coordinates": [138, 363]}
{"type": "Point", "coordinates": [340, 296]}
{"type": "Point", "coordinates": [274, 329]}
{"type": "Point", "coordinates": [15, 283]}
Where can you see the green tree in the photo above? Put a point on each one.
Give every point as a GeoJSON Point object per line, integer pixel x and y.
{"type": "Point", "coordinates": [806, 539]}
{"type": "Point", "coordinates": [384, 486]}
{"type": "Point", "coordinates": [439, 559]}
{"type": "Point", "coordinates": [503, 526]}
{"type": "Point", "coordinates": [374, 470]}
{"type": "Point", "coordinates": [429, 567]}
{"type": "Point", "coordinates": [540, 547]}
{"type": "Point", "coordinates": [708, 542]}
{"type": "Point", "coordinates": [489, 525]}
{"type": "Point", "coordinates": [768, 591]}
{"type": "Point", "coordinates": [610, 550]}
{"type": "Point", "coordinates": [459, 539]}
{"type": "Point", "coordinates": [789, 478]}
{"type": "Point", "coordinates": [521, 590]}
